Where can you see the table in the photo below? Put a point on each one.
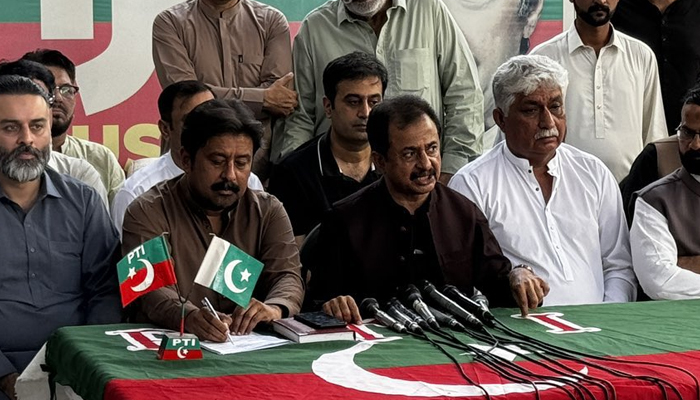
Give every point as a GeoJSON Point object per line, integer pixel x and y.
{"type": "Point", "coordinates": [97, 365]}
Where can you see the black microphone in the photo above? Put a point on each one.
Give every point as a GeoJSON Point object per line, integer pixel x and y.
{"type": "Point", "coordinates": [470, 305]}
{"type": "Point", "coordinates": [408, 312]}
{"type": "Point", "coordinates": [447, 319]}
{"type": "Point", "coordinates": [413, 297]}
{"type": "Point", "coordinates": [370, 306]}
{"type": "Point", "coordinates": [403, 318]}
{"type": "Point", "coordinates": [450, 305]}
{"type": "Point", "coordinates": [480, 299]}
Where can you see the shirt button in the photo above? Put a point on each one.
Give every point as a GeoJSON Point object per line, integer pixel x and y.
{"type": "Point", "coordinates": [402, 259]}
{"type": "Point", "coordinates": [537, 189]}
{"type": "Point", "coordinates": [597, 87]}
{"type": "Point", "coordinates": [32, 249]}
{"type": "Point", "coordinates": [33, 275]}
{"type": "Point", "coordinates": [403, 229]}
{"type": "Point", "coordinates": [599, 106]}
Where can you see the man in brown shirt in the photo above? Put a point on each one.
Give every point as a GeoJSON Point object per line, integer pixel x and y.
{"type": "Point", "coordinates": [240, 48]}
{"type": "Point", "coordinates": [211, 198]}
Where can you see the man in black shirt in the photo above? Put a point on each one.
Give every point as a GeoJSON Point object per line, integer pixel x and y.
{"type": "Point", "coordinates": [336, 164]}
{"type": "Point", "coordinates": [670, 28]}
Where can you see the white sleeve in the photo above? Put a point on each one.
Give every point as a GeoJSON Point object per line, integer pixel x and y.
{"type": "Point", "coordinates": [119, 204]}
{"type": "Point", "coordinates": [254, 182]}
{"type": "Point", "coordinates": [464, 184]}
{"type": "Point", "coordinates": [655, 256]}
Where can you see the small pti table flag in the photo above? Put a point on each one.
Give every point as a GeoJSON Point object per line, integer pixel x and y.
{"type": "Point", "coordinates": [228, 270]}
{"type": "Point", "coordinates": [145, 269]}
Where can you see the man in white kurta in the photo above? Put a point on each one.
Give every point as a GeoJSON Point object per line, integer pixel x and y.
{"type": "Point", "coordinates": [550, 205]}
{"type": "Point", "coordinates": [613, 103]}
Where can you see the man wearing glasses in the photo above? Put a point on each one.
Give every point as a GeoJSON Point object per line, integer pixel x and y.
{"type": "Point", "coordinates": [664, 234]}
{"type": "Point", "coordinates": [63, 109]}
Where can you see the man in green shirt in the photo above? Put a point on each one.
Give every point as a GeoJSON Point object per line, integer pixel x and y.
{"type": "Point", "coordinates": [424, 52]}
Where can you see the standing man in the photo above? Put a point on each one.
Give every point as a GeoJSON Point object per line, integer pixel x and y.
{"type": "Point", "coordinates": [174, 103]}
{"type": "Point", "coordinates": [407, 227]}
{"type": "Point", "coordinates": [670, 28]}
{"type": "Point", "coordinates": [63, 109]}
{"type": "Point", "coordinates": [58, 244]}
{"type": "Point", "coordinates": [337, 163]}
{"type": "Point", "coordinates": [240, 48]}
{"type": "Point", "coordinates": [219, 139]}
{"type": "Point", "coordinates": [665, 230]}
{"type": "Point", "coordinates": [424, 52]}
{"type": "Point", "coordinates": [549, 204]}
{"type": "Point", "coordinates": [614, 100]}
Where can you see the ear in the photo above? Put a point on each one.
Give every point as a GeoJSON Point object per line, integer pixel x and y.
{"type": "Point", "coordinates": [185, 159]}
{"type": "Point", "coordinates": [499, 118]}
{"type": "Point", "coordinates": [379, 161]}
{"type": "Point", "coordinates": [164, 129]}
{"type": "Point", "coordinates": [327, 106]}
{"type": "Point", "coordinates": [533, 17]}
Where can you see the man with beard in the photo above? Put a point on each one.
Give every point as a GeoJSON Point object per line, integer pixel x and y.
{"type": "Point", "coordinates": [614, 100]}
{"type": "Point", "coordinates": [407, 227]}
{"type": "Point", "coordinates": [424, 52]}
{"type": "Point", "coordinates": [58, 244]}
{"type": "Point", "coordinates": [212, 197]}
{"type": "Point", "coordinates": [550, 205]}
{"type": "Point", "coordinates": [664, 234]}
{"type": "Point", "coordinates": [65, 94]}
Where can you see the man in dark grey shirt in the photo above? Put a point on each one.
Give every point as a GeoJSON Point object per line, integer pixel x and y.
{"type": "Point", "coordinates": [58, 243]}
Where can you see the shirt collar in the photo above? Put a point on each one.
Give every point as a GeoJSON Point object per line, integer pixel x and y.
{"type": "Point", "coordinates": [170, 163]}
{"type": "Point", "coordinates": [327, 165]}
{"type": "Point", "coordinates": [523, 164]}
{"type": "Point", "coordinates": [211, 12]}
{"type": "Point", "coordinates": [343, 14]}
{"type": "Point", "coordinates": [46, 188]}
{"type": "Point", "coordinates": [574, 40]}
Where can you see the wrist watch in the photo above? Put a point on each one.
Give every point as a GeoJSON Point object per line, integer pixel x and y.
{"type": "Point", "coordinates": [527, 267]}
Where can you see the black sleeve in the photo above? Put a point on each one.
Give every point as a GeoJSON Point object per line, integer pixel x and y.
{"type": "Point", "coordinates": [644, 171]}
{"type": "Point", "coordinates": [491, 273]}
{"type": "Point", "coordinates": [284, 184]}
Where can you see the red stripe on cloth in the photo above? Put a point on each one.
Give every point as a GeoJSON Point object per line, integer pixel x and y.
{"type": "Point", "coordinates": [360, 332]}
{"type": "Point", "coordinates": [163, 275]}
{"type": "Point", "coordinates": [307, 386]}
{"type": "Point", "coordinates": [551, 321]}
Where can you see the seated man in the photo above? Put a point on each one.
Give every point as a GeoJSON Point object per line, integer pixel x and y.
{"type": "Point", "coordinates": [337, 163]}
{"type": "Point", "coordinates": [664, 234]}
{"type": "Point", "coordinates": [212, 198]}
{"type": "Point", "coordinates": [58, 244]}
{"type": "Point", "coordinates": [550, 205]}
{"type": "Point", "coordinates": [406, 227]}
{"type": "Point", "coordinates": [174, 103]}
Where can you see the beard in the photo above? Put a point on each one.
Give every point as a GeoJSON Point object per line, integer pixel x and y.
{"type": "Point", "coordinates": [59, 128]}
{"type": "Point", "coordinates": [21, 170]}
{"type": "Point", "coordinates": [588, 15]}
{"type": "Point", "coordinates": [365, 9]}
{"type": "Point", "coordinates": [691, 161]}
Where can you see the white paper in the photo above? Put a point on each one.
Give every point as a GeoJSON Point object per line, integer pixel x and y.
{"type": "Point", "coordinates": [244, 343]}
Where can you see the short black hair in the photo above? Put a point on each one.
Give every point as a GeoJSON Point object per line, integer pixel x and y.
{"type": "Point", "coordinates": [693, 95]}
{"type": "Point", "coordinates": [29, 69]}
{"type": "Point", "coordinates": [217, 118]}
{"type": "Point", "coordinates": [351, 67]}
{"type": "Point", "coordinates": [52, 58]}
{"type": "Point", "coordinates": [178, 90]}
{"type": "Point", "coordinates": [400, 111]}
{"type": "Point", "coordinates": [21, 85]}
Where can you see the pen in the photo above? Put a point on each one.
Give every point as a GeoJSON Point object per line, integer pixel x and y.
{"type": "Point", "coordinates": [209, 307]}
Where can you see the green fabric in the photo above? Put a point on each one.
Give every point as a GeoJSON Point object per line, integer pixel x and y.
{"type": "Point", "coordinates": [155, 251]}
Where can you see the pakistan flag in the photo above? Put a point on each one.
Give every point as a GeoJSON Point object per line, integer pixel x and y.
{"type": "Point", "coordinates": [228, 270]}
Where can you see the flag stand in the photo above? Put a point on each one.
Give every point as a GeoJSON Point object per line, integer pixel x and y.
{"type": "Point", "coordinates": [174, 346]}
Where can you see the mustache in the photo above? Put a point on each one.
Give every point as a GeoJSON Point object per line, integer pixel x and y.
{"type": "Point", "coordinates": [25, 148]}
{"type": "Point", "coordinates": [598, 7]}
{"type": "Point", "coordinates": [226, 185]}
{"type": "Point", "coordinates": [545, 133]}
{"type": "Point", "coordinates": [422, 174]}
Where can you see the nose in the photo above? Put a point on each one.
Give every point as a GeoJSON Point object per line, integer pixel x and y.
{"type": "Point", "coordinates": [546, 119]}
{"type": "Point", "coordinates": [229, 172]}
{"type": "Point", "coordinates": [363, 111]}
{"type": "Point", "coordinates": [695, 143]}
{"type": "Point", "coordinates": [25, 136]}
{"type": "Point", "coordinates": [423, 160]}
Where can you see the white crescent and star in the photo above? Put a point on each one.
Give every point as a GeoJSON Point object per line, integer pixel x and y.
{"type": "Point", "coordinates": [228, 276]}
{"type": "Point", "coordinates": [182, 352]}
{"type": "Point", "coordinates": [147, 281]}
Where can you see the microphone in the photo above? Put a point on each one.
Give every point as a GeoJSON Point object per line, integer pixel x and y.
{"type": "Point", "coordinates": [480, 299]}
{"type": "Point", "coordinates": [394, 302]}
{"type": "Point", "coordinates": [447, 319]}
{"type": "Point", "coordinates": [470, 305]}
{"type": "Point", "coordinates": [450, 305]}
{"type": "Point", "coordinates": [371, 307]}
{"type": "Point", "coordinates": [403, 318]}
{"type": "Point", "coordinates": [413, 297]}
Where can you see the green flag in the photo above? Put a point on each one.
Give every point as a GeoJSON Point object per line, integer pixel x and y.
{"type": "Point", "coordinates": [228, 270]}
{"type": "Point", "coordinates": [145, 269]}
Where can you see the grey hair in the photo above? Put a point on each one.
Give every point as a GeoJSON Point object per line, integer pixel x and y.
{"type": "Point", "coordinates": [525, 74]}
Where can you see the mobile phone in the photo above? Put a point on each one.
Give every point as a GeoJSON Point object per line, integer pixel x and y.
{"type": "Point", "coordinates": [319, 320]}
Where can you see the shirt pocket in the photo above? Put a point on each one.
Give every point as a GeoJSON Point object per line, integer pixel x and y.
{"type": "Point", "coordinates": [412, 69]}
{"type": "Point", "coordinates": [64, 274]}
{"type": "Point", "coordinates": [248, 68]}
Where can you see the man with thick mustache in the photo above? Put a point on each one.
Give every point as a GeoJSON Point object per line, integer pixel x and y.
{"type": "Point", "coordinates": [550, 205]}
{"type": "Point", "coordinates": [614, 100]}
{"type": "Point", "coordinates": [664, 233]}
{"type": "Point", "coordinates": [407, 227]}
{"type": "Point", "coordinates": [58, 244]}
{"type": "Point", "coordinates": [212, 197]}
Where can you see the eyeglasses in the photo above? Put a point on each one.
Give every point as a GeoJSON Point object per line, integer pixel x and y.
{"type": "Point", "coordinates": [68, 91]}
{"type": "Point", "coordinates": [686, 134]}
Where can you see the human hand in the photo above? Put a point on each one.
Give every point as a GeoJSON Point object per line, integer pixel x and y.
{"type": "Point", "coordinates": [278, 99]}
{"type": "Point", "coordinates": [344, 308]}
{"type": "Point", "coordinates": [204, 324]}
{"type": "Point", "coordinates": [528, 289]}
{"type": "Point", "coordinates": [245, 319]}
{"type": "Point", "coordinates": [7, 385]}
